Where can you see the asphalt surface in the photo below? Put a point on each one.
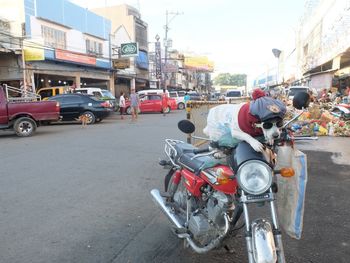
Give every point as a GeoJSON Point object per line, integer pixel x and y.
{"type": "Point", "coordinates": [72, 194]}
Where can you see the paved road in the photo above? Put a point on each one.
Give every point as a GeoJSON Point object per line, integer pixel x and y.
{"type": "Point", "coordinates": [70, 194]}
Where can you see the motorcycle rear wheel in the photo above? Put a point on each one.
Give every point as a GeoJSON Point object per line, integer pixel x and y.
{"type": "Point", "coordinates": [167, 179]}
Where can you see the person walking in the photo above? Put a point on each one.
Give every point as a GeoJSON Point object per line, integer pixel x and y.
{"type": "Point", "coordinates": [186, 99]}
{"type": "Point", "coordinates": [122, 105]}
{"type": "Point", "coordinates": [165, 100]}
{"type": "Point", "coordinates": [134, 104]}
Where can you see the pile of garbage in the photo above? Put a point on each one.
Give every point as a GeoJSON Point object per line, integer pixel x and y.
{"type": "Point", "coordinates": [318, 121]}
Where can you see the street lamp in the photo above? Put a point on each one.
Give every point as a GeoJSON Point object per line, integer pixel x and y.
{"type": "Point", "coordinates": [276, 52]}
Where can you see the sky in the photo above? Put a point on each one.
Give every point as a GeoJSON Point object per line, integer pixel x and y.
{"type": "Point", "coordinates": [237, 35]}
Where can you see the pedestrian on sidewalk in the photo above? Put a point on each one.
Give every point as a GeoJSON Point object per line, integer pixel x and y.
{"type": "Point", "coordinates": [122, 105]}
{"type": "Point", "coordinates": [134, 104]}
{"type": "Point", "coordinates": [165, 100]}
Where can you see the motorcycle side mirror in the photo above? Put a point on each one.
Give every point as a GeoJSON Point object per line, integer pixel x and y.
{"type": "Point", "coordinates": [301, 100]}
{"type": "Point", "coordinates": [186, 126]}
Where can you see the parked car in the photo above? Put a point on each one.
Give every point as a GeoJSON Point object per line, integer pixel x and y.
{"type": "Point", "coordinates": [22, 115]}
{"type": "Point", "coordinates": [194, 95]}
{"type": "Point", "coordinates": [179, 96]}
{"type": "Point", "coordinates": [100, 94]}
{"type": "Point", "coordinates": [214, 96]}
{"type": "Point", "coordinates": [75, 105]}
{"type": "Point", "coordinates": [47, 92]}
{"type": "Point", "coordinates": [152, 103]}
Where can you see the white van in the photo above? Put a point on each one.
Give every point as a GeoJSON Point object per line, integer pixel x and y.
{"type": "Point", "coordinates": [151, 92]}
{"type": "Point", "coordinates": [97, 92]}
{"type": "Point", "coordinates": [179, 96]}
{"type": "Point", "coordinates": [291, 91]}
{"type": "Point", "coordinates": [101, 94]}
{"type": "Point", "coordinates": [230, 94]}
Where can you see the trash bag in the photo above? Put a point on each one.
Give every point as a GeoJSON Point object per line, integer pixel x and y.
{"type": "Point", "coordinates": [291, 190]}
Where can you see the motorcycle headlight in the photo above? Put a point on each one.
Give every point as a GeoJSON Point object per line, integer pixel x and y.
{"type": "Point", "coordinates": [254, 177]}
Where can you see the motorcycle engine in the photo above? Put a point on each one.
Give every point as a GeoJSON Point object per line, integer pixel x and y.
{"type": "Point", "coordinates": [207, 223]}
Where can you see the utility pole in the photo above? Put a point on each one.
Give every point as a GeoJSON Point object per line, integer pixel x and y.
{"type": "Point", "coordinates": [166, 44]}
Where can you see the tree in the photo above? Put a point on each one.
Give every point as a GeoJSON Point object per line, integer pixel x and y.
{"type": "Point", "coordinates": [231, 79]}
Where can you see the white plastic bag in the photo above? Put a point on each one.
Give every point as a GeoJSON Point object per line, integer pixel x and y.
{"type": "Point", "coordinates": [291, 191]}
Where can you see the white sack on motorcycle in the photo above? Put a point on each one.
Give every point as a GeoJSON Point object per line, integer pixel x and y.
{"type": "Point", "coordinates": [291, 191]}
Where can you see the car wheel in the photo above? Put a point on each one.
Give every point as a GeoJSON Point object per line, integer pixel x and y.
{"type": "Point", "coordinates": [128, 110]}
{"type": "Point", "coordinates": [167, 110]}
{"type": "Point", "coordinates": [181, 106]}
{"type": "Point", "coordinates": [91, 117]}
{"type": "Point", "coordinates": [24, 127]}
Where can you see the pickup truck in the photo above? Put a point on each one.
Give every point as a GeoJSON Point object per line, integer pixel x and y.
{"type": "Point", "coordinates": [24, 115]}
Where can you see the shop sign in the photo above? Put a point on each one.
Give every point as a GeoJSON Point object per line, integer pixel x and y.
{"type": "Point", "coordinates": [33, 54]}
{"type": "Point", "coordinates": [74, 57]}
{"type": "Point", "coordinates": [170, 68]}
{"type": "Point", "coordinates": [33, 49]}
{"type": "Point", "coordinates": [129, 49]}
{"type": "Point", "coordinates": [121, 63]}
{"type": "Point", "coordinates": [199, 63]}
{"type": "Point", "coordinates": [158, 60]}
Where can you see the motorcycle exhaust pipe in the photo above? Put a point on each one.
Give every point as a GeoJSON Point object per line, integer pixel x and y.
{"type": "Point", "coordinates": [157, 198]}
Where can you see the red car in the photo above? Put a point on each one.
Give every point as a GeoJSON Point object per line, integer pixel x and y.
{"type": "Point", "coordinates": [152, 103]}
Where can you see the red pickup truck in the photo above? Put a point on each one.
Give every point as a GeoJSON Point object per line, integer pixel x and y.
{"type": "Point", "coordinates": [24, 116]}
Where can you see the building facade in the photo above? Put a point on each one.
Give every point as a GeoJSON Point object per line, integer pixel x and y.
{"type": "Point", "coordinates": [61, 43]}
{"type": "Point", "coordinates": [127, 27]}
{"type": "Point", "coordinates": [324, 44]}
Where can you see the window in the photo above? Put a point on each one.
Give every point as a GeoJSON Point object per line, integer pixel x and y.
{"type": "Point", "coordinates": [172, 94]}
{"type": "Point", "coordinates": [45, 93]}
{"type": "Point", "coordinates": [234, 94]}
{"type": "Point", "coordinates": [153, 97]}
{"type": "Point", "coordinates": [97, 94]}
{"type": "Point", "coordinates": [82, 91]}
{"type": "Point", "coordinates": [53, 37]}
{"type": "Point", "coordinates": [93, 47]}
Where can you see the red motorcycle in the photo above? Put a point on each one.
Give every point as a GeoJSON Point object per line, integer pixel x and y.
{"type": "Point", "coordinates": [205, 197]}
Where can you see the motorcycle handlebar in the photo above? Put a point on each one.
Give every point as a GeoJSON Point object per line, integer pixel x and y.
{"type": "Point", "coordinates": [196, 151]}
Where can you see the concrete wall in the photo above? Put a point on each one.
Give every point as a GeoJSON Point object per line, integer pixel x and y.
{"type": "Point", "coordinates": [118, 15]}
{"type": "Point", "coordinates": [10, 67]}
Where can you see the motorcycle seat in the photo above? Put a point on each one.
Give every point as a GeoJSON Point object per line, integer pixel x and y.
{"type": "Point", "coordinates": [183, 148]}
{"type": "Point", "coordinates": [196, 165]}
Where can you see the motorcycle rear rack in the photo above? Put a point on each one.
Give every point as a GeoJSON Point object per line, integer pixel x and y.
{"type": "Point", "coordinates": [170, 150]}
